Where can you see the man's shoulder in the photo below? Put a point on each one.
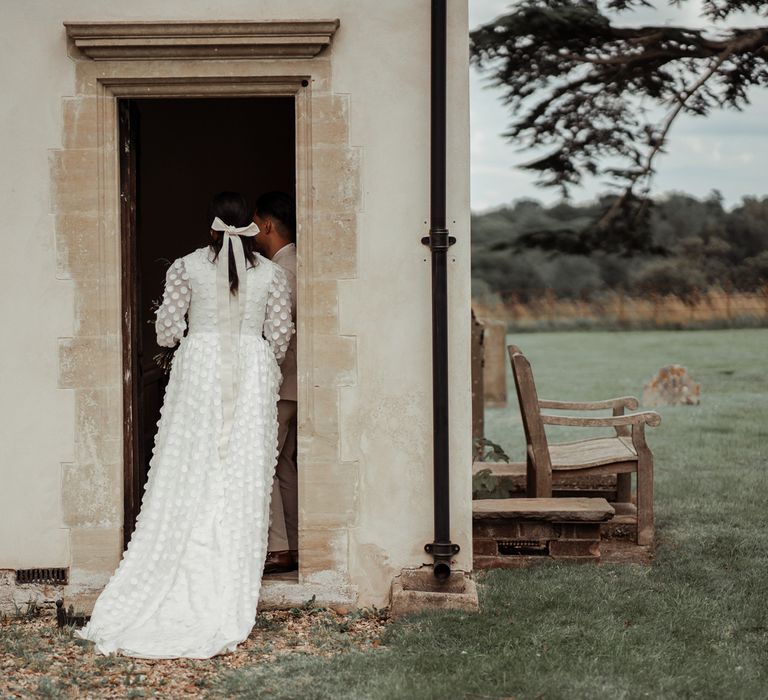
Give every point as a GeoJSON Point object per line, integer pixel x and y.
{"type": "Point", "coordinates": [271, 265]}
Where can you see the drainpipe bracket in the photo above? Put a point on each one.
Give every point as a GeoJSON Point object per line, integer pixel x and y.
{"type": "Point", "coordinates": [442, 549]}
{"type": "Point", "coordinates": [438, 239]}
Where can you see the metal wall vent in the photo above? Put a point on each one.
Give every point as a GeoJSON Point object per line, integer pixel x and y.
{"type": "Point", "coordinates": [54, 575]}
{"type": "Point", "coordinates": [523, 547]}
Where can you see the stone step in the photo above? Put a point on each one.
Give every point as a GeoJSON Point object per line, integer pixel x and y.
{"type": "Point", "coordinates": [278, 592]}
{"type": "Point", "coordinates": [548, 509]}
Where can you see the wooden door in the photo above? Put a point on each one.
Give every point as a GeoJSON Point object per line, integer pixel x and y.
{"type": "Point", "coordinates": [143, 381]}
{"type": "Point", "coordinates": [131, 322]}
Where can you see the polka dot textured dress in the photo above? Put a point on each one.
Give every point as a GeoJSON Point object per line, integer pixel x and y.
{"type": "Point", "coordinates": [189, 581]}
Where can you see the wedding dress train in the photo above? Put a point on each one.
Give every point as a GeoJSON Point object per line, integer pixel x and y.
{"type": "Point", "coordinates": [189, 581]}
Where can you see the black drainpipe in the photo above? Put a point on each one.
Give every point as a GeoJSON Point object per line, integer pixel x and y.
{"type": "Point", "coordinates": [438, 240]}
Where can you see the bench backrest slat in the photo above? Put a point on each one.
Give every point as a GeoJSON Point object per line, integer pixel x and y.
{"type": "Point", "coordinates": [539, 473]}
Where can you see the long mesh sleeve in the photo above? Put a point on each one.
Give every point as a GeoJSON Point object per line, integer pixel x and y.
{"type": "Point", "coordinates": [278, 324]}
{"type": "Point", "coordinates": [170, 322]}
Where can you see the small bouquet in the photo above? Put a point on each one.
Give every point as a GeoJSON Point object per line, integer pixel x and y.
{"type": "Point", "coordinates": [164, 359]}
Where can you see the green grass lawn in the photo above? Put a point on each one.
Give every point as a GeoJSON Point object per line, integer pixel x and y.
{"type": "Point", "coordinates": [692, 625]}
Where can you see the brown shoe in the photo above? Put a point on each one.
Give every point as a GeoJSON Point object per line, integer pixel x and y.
{"type": "Point", "coordinates": [279, 562]}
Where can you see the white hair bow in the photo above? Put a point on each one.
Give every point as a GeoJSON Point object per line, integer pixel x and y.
{"type": "Point", "coordinates": [230, 312]}
{"type": "Point", "coordinates": [250, 230]}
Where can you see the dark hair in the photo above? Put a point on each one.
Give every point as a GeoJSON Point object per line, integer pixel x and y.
{"type": "Point", "coordinates": [232, 208]}
{"type": "Point", "coordinates": [280, 206]}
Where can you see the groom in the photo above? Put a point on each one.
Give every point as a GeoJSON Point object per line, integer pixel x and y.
{"type": "Point", "coordinates": [275, 216]}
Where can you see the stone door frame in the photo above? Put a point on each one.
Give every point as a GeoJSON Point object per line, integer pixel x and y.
{"type": "Point", "coordinates": [86, 207]}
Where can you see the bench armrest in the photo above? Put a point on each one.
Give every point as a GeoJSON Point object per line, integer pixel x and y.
{"type": "Point", "coordinates": [644, 417]}
{"type": "Point", "coordinates": [629, 402]}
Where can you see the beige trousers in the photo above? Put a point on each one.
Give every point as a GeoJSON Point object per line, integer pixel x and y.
{"type": "Point", "coordinates": [284, 505]}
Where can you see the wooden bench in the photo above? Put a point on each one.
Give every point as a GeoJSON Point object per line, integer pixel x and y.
{"type": "Point", "coordinates": [515, 532]}
{"type": "Point", "coordinates": [623, 454]}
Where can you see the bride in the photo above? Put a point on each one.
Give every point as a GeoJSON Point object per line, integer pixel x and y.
{"type": "Point", "coordinates": [188, 582]}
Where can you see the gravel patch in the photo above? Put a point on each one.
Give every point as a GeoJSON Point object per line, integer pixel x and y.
{"type": "Point", "coordinates": [40, 659]}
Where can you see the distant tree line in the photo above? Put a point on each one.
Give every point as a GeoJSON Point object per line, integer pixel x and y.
{"type": "Point", "coordinates": [705, 246]}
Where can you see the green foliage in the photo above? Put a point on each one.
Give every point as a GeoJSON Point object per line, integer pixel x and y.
{"type": "Point", "coordinates": [706, 246]}
{"type": "Point", "coordinates": [484, 483]}
{"type": "Point", "coordinates": [669, 277]}
{"type": "Point", "coordinates": [485, 450]}
{"type": "Point", "coordinates": [30, 611]}
{"type": "Point", "coordinates": [753, 272]}
{"type": "Point", "coordinates": [267, 622]}
{"type": "Point", "coordinates": [308, 607]}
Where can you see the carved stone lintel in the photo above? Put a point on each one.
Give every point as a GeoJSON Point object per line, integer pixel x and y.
{"type": "Point", "coordinates": [136, 41]}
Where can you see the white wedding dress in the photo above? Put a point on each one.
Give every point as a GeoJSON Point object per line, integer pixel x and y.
{"type": "Point", "coordinates": [189, 581]}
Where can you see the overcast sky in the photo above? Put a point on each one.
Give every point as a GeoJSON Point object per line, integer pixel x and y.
{"type": "Point", "coordinates": [726, 151]}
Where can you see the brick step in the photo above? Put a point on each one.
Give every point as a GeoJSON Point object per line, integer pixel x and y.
{"type": "Point", "coordinates": [518, 532]}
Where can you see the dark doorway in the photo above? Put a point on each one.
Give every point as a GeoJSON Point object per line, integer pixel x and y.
{"type": "Point", "coordinates": [175, 155]}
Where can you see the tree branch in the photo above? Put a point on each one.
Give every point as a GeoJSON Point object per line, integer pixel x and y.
{"type": "Point", "coordinates": [573, 80]}
{"type": "Point", "coordinates": [660, 140]}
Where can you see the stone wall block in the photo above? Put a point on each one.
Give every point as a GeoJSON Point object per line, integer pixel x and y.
{"type": "Point", "coordinates": [325, 410]}
{"type": "Point", "coordinates": [323, 550]}
{"type": "Point", "coordinates": [328, 505]}
{"type": "Point", "coordinates": [89, 362]}
{"type": "Point", "coordinates": [98, 426]}
{"type": "Point", "coordinates": [335, 360]}
{"type": "Point", "coordinates": [97, 311]}
{"type": "Point", "coordinates": [330, 120]}
{"type": "Point", "coordinates": [336, 181]}
{"type": "Point", "coordinates": [77, 245]}
{"type": "Point", "coordinates": [325, 307]}
{"type": "Point", "coordinates": [91, 495]}
{"type": "Point", "coordinates": [86, 78]}
{"type": "Point", "coordinates": [74, 180]}
{"type": "Point", "coordinates": [335, 243]}
{"type": "Point", "coordinates": [329, 495]}
{"type": "Point", "coordinates": [324, 446]}
{"type": "Point", "coordinates": [80, 117]}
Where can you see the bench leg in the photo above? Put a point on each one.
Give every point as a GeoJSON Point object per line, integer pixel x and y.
{"type": "Point", "coordinates": [645, 502]}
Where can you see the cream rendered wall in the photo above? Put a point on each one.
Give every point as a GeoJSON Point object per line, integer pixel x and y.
{"type": "Point", "coordinates": [387, 417]}
{"type": "Point", "coordinates": [380, 58]}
